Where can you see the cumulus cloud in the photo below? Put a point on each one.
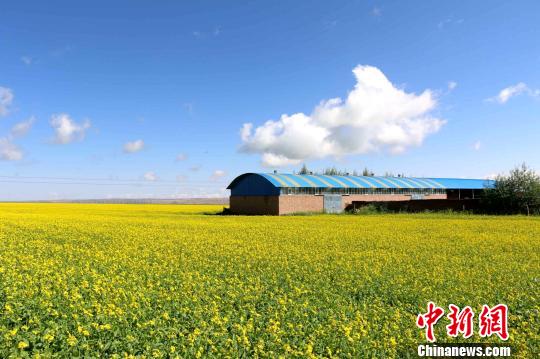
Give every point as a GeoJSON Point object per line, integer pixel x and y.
{"type": "Point", "coordinates": [6, 98]}
{"type": "Point", "coordinates": [133, 146]}
{"type": "Point", "coordinates": [477, 145]}
{"type": "Point", "coordinates": [150, 176]}
{"type": "Point", "coordinates": [375, 116]}
{"type": "Point", "coordinates": [515, 90]}
{"type": "Point", "coordinates": [217, 174]}
{"type": "Point", "coordinates": [66, 130]}
{"type": "Point", "coordinates": [20, 129]}
{"type": "Point", "coordinates": [452, 85]}
{"type": "Point", "coordinates": [9, 151]}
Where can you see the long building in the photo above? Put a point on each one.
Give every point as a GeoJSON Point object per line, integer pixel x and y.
{"type": "Point", "coordinates": [281, 193]}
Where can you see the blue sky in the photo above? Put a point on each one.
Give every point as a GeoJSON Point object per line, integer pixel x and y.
{"type": "Point", "coordinates": [148, 99]}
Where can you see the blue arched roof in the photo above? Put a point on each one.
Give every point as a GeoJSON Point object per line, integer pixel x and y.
{"type": "Point", "coordinates": [279, 180]}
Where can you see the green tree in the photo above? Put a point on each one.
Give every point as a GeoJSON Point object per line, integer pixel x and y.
{"type": "Point", "coordinates": [304, 170]}
{"type": "Point", "coordinates": [518, 192]}
{"type": "Point", "coordinates": [367, 172]}
{"type": "Point", "coordinates": [331, 171]}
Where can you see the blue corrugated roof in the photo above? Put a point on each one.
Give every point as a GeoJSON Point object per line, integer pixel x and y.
{"type": "Point", "coordinates": [326, 181]}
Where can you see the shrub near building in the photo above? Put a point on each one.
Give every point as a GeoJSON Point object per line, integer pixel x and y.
{"type": "Point", "coordinates": [518, 192]}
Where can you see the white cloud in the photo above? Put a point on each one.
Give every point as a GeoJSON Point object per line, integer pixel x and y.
{"type": "Point", "coordinates": [133, 146]}
{"type": "Point", "coordinates": [452, 85]}
{"type": "Point", "coordinates": [6, 98]}
{"type": "Point", "coordinates": [181, 157]}
{"type": "Point", "coordinates": [375, 116]}
{"type": "Point", "coordinates": [150, 176]}
{"type": "Point", "coordinates": [27, 60]}
{"type": "Point", "coordinates": [512, 91]}
{"type": "Point", "coordinates": [376, 11]}
{"type": "Point", "coordinates": [20, 129]}
{"type": "Point", "coordinates": [9, 151]}
{"type": "Point", "coordinates": [477, 145]}
{"type": "Point", "coordinates": [449, 21]}
{"type": "Point", "coordinates": [217, 174]}
{"type": "Point", "coordinates": [216, 31]}
{"type": "Point", "coordinates": [66, 130]}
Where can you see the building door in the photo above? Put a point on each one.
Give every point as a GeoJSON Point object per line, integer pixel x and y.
{"type": "Point", "coordinates": [332, 203]}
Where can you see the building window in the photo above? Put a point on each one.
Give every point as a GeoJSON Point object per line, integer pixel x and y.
{"type": "Point", "coordinates": [361, 191]}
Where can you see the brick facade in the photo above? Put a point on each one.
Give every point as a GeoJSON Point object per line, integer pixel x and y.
{"type": "Point", "coordinates": [300, 203]}
{"type": "Point", "coordinates": [286, 204]}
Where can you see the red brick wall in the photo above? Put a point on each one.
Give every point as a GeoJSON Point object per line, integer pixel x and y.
{"type": "Point", "coordinates": [254, 205]}
{"type": "Point", "coordinates": [276, 205]}
{"type": "Point", "coordinates": [300, 203]}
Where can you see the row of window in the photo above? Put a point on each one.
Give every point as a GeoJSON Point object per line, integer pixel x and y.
{"type": "Point", "coordinates": [366, 191]}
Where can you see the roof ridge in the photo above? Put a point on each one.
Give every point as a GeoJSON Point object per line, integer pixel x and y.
{"type": "Point", "coordinates": [349, 175]}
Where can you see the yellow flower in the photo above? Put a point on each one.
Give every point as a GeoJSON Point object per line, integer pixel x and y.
{"type": "Point", "coordinates": [48, 337]}
{"type": "Point", "coordinates": [72, 340]}
{"type": "Point", "coordinates": [105, 326]}
{"type": "Point", "coordinates": [348, 285]}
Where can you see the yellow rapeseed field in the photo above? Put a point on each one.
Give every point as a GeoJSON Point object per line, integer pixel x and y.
{"type": "Point", "coordinates": [166, 280]}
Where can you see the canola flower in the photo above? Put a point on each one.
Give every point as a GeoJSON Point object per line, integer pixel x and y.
{"type": "Point", "coordinates": [161, 281]}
